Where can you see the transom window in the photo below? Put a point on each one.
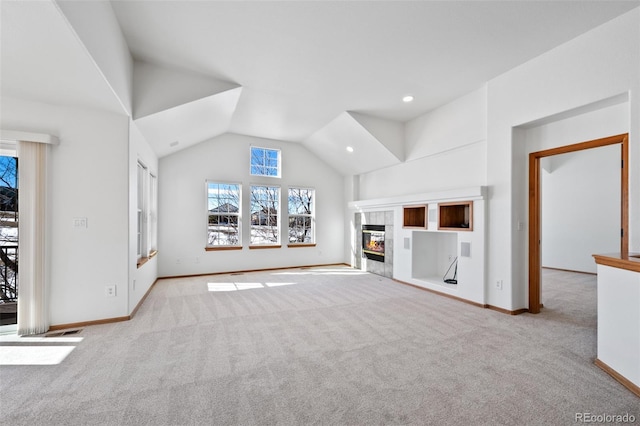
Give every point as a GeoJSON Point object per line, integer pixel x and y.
{"type": "Point", "coordinates": [265, 212]}
{"type": "Point", "coordinates": [223, 212]}
{"type": "Point", "coordinates": [301, 216]}
{"type": "Point", "coordinates": [265, 162]}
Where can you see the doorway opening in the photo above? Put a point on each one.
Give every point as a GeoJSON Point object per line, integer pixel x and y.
{"type": "Point", "coordinates": [535, 211]}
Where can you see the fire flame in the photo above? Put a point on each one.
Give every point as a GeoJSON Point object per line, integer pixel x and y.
{"type": "Point", "coordinates": [375, 246]}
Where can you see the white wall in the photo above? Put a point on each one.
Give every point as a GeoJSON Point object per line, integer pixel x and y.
{"type": "Point", "coordinates": [89, 172]}
{"type": "Point", "coordinates": [619, 321]}
{"type": "Point", "coordinates": [183, 208]}
{"type": "Point", "coordinates": [578, 73]}
{"type": "Point", "coordinates": [581, 190]}
{"type": "Point", "coordinates": [96, 25]}
{"type": "Point", "coordinates": [142, 278]}
{"type": "Point", "coordinates": [581, 208]}
{"type": "Point", "coordinates": [445, 148]}
{"type": "Point", "coordinates": [480, 139]}
{"type": "Point", "coordinates": [454, 125]}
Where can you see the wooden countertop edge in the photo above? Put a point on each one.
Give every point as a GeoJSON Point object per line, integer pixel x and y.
{"type": "Point", "coordinates": [630, 262]}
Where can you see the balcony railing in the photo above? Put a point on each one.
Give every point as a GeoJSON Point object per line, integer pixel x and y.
{"type": "Point", "coordinates": [8, 273]}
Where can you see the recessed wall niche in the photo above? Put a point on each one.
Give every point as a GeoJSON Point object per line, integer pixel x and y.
{"type": "Point", "coordinates": [456, 216]}
{"type": "Point", "coordinates": [414, 217]}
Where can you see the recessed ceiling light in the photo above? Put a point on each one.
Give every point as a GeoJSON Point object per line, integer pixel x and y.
{"type": "Point", "coordinates": [407, 99]}
{"type": "Point", "coordinates": [349, 149]}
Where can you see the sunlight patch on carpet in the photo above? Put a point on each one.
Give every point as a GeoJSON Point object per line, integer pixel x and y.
{"type": "Point", "coordinates": [34, 355]}
{"type": "Point", "coordinates": [323, 272]}
{"type": "Point", "coordinates": [242, 286]}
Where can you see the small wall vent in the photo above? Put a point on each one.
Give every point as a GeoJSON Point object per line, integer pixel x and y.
{"type": "Point", "coordinates": [63, 333]}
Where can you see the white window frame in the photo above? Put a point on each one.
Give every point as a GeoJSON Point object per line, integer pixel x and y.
{"type": "Point", "coordinates": [141, 219]}
{"type": "Point", "coordinates": [310, 216]}
{"type": "Point", "coordinates": [262, 162]}
{"type": "Point", "coordinates": [153, 213]}
{"type": "Point", "coordinates": [275, 199]}
{"type": "Point", "coordinates": [146, 214]}
{"type": "Point", "coordinates": [238, 215]}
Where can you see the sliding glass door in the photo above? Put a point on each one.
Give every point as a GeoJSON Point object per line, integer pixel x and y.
{"type": "Point", "coordinates": [8, 242]}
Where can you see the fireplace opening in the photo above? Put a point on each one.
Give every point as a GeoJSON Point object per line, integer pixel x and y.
{"type": "Point", "coordinates": [373, 242]}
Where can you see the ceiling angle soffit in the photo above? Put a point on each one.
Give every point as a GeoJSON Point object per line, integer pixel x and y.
{"type": "Point", "coordinates": [376, 143]}
{"type": "Point", "coordinates": [157, 88]}
{"type": "Point", "coordinates": [389, 133]}
{"type": "Point", "coordinates": [189, 123]}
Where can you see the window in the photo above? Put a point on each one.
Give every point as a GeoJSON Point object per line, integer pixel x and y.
{"type": "Point", "coordinates": [147, 214]}
{"type": "Point", "coordinates": [265, 162]}
{"type": "Point", "coordinates": [301, 216]}
{"type": "Point", "coordinates": [153, 213]}
{"type": "Point", "coordinates": [223, 211]}
{"type": "Point", "coordinates": [142, 211]}
{"type": "Point", "coordinates": [265, 208]}
{"type": "Point", "coordinates": [8, 237]}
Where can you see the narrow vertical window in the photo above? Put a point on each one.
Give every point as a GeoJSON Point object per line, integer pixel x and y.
{"type": "Point", "coordinates": [265, 162]}
{"type": "Point", "coordinates": [147, 215]}
{"type": "Point", "coordinates": [153, 214]}
{"type": "Point", "coordinates": [223, 212]}
{"type": "Point", "coordinates": [142, 212]}
{"type": "Point", "coordinates": [301, 216]}
{"type": "Point", "coordinates": [265, 215]}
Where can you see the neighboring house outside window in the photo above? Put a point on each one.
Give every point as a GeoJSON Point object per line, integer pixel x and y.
{"type": "Point", "coordinates": [301, 216]}
{"type": "Point", "coordinates": [265, 212]}
{"type": "Point", "coordinates": [265, 162]}
{"type": "Point", "coordinates": [223, 215]}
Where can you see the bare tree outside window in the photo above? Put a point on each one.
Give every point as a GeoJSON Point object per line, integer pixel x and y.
{"type": "Point", "coordinates": [301, 215]}
{"type": "Point", "coordinates": [8, 237]}
{"type": "Point", "coordinates": [265, 162]}
{"type": "Point", "coordinates": [223, 227]}
{"type": "Point", "coordinates": [265, 209]}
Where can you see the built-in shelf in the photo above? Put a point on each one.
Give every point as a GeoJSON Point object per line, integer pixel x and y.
{"type": "Point", "coordinates": [456, 216]}
{"type": "Point", "coordinates": [433, 255]}
{"type": "Point", "coordinates": [414, 216]}
{"type": "Point", "coordinates": [432, 237]}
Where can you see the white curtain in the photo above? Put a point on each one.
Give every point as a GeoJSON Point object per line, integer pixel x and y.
{"type": "Point", "coordinates": [33, 315]}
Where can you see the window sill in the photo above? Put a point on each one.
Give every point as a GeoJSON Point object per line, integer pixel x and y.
{"type": "Point", "coordinates": [144, 260]}
{"type": "Point", "coordinates": [276, 246]}
{"type": "Point", "coordinates": [295, 245]}
{"type": "Point", "coordinates": [222, 248]}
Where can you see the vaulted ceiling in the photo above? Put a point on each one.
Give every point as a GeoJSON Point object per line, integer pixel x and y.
{"type": "Point", "coordinates": [327, 74]}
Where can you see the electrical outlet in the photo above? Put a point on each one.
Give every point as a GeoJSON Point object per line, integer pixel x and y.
{"type": "Point", "coordinates": [499, 284]}
{"type": "Point", "coordinates": [110, 290]}
{"type": "Point", "coordinates": [80, 222]}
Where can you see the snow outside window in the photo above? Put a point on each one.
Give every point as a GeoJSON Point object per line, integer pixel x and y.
{"type": "Point", "coordinates": [265, 212]}
{"type": "Point", "coordinates": [301, 216]}
{"type": "Point", "coordinates": [223, 212]}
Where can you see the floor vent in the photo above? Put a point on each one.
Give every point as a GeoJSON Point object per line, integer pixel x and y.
{"type": "Point", "coordinates": [63, 333]}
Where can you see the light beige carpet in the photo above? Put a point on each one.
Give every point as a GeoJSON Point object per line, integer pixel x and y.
{"type": "Point", "coordinates": [326, 346]}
